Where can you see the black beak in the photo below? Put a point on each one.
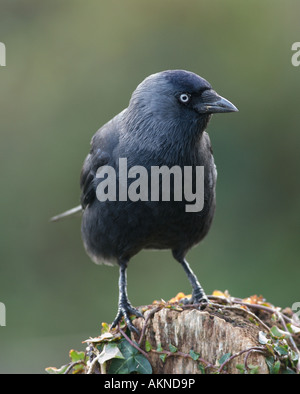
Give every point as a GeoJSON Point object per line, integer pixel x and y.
{"type": "Point", "coordinates": [212, 103]}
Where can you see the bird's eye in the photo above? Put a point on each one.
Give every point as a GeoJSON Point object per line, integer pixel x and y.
{"type": "Point", "coordinates": [184, 98]}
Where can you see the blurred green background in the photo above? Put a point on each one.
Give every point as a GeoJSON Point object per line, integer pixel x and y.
{"type": "Point", "coordinates": [71, 66]}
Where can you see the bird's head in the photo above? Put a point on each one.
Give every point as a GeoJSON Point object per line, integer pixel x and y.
{"type": "Point", "coordinates": [178, 96]}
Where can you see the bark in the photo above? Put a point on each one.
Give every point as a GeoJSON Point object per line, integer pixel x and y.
{"type": "Point", "coordinates": [210, 333]}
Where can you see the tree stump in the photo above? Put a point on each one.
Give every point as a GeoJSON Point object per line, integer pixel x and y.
{"type": "Point", "coordinates": [230, 335]}
{"type": "Point", "coordinates": [211, 334]}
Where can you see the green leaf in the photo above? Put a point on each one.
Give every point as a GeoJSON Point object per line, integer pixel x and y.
{"type": "Point", "coordinates": [163, 357]}
{"type": "Point", "coordinates": [201, 368]}
{"type": "Point", "coordinates": [148, 346]}
{"type": "Point", "coordinates": [224, 358]}
{"type": "Point", "coordinates": [126, 349]}
{"type": "Point", "coordinates": [241, 368]}
{"type": "Point", "coordinates": [118, 366]}
{"type": "Point", "coordinates": [282, 350]}
{"type": "Point", "coordinates": [133, 361]}
{"type": "Point", "coordinates": [254, 369]}
{"type": "Point", "coordinates": [288, 371]}
{"type": "Point", "coordinates": [277, 333]}
{"type": "Point", "coordinates": [276, 367]}
{"type": "Point", "coordinates": [159, 348]}
{"type": "Point", "coordinates": [142, 365]}
{"type": "Point", "coordinates": [273, 366]}
{"type": "Point", "coordinates": [270, 362]}
{"type": "Point", "coordinates": [172, 348]}
{"type": "Point", "coordinates": [194, 355]}
{"type": "Point", "coordinates": [76, 356]}
{"type": "Point", "coordinates": [100, 346]}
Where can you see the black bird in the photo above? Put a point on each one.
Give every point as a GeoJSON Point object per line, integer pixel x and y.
{"type": "Point", "coordinates": [164, 125]}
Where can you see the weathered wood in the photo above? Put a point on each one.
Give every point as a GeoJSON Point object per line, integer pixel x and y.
{"type": "Point", "coordinates": [210, 333]}
{"type": "Point", "coordinates": [177, 338]}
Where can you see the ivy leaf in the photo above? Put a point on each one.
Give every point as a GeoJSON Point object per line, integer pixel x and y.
{"type": "Point", "coordinates": [194, 355]}
{"type": "Point", "coordinates": [277, 333]}
{"type": "Point", "coordinates": [241, 368]}
{"type": "Point", "coordinates": [254, 369]}
{"type": "Point", "coordinates": [163, 357]}
{"type": "Point", "coordinates": [201, 368]}
{"type": "Point", "coordinates": [282, 350]}
{"type": "Point", "coordinates": [126, 349]}
{"type": "Point", "coordinates": [224, 358]}
{"type": "Point", "coordinates": [288, 371]}
{"type": "Point", "coordinates": [148, 346]}
{"type": "Point", "coordinates": [118, 366]}
{"type": "Point", "coordinates": [109, 352]}
{"type": "Point", "coordinates": [133, 361]}
{"type": "Point", "coordinates": [273, 366]}
{"type": "Point", "coordinates": [76, 356]}
{"type": "Point", "coordinates": [276, 367]}
{"type": "Point", "coordinates": [142, 365]}
{"type": "Point", "coordinates": [172, 348]}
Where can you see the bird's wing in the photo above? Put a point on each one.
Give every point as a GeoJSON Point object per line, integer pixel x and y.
{"type": "Point", "coordinates": [93, 161]}
{"type": "Point", "coordinates": [103, 145]}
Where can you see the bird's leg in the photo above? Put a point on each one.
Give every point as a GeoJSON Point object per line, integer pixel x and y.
{"type": "Point", "coordinates": [125, 308]}
{"type": "Point", "coordinates": [198, 296]}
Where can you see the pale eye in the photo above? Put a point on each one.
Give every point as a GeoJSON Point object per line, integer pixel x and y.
{"type": "Point", "coordinates": [184, 98]}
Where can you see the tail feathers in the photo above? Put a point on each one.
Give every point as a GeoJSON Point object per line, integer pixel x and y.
{"type": "Point", "coordinates": [70, 212]}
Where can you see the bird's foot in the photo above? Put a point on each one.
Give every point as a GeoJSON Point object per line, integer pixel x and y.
{"type": "Point", "coordinates": [126, 310]}
{"type": "Point", "coordinates": [198, 298]}
{"type": "Point", "coordinates": [202, 301]}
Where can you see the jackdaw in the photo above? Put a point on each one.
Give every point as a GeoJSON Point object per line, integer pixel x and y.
{"type": "Point", "coordinates": [163, 125]}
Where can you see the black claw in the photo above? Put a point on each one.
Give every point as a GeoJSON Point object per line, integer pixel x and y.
{"type": "Point", "coordinates": [203, 302]}
{"type": "Point", "coordinates": [198, 296]}
{"type": "Point", "coordinates": [201, 299]}
{"type": "Point", "coordinates": [126, 310]}
{"type": "Point", "coordinates": [132, 328]}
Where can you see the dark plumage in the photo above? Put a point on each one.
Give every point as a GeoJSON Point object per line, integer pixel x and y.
{"type": "Point", "coordinates": [164, 125]}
